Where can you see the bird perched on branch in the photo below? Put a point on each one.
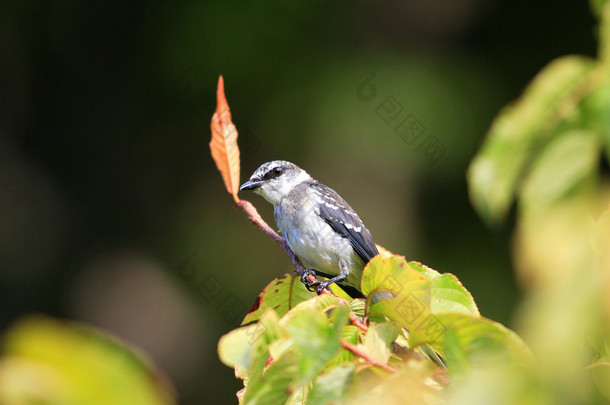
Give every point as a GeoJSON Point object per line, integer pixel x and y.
{"type": "Point", "coordinates": [319, 226]}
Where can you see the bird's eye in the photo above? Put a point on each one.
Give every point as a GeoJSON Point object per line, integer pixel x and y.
{"type": "Point", "coordinates": [277, 171]}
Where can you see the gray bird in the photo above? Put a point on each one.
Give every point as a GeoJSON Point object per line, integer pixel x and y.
{"type": "Point", "coordinates": [319, 226]}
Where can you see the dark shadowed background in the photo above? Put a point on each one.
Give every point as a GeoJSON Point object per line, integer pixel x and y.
{"type": "Point", "coordinates": [112, 211]}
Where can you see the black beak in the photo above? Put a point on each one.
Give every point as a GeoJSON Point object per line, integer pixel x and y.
{"type": "Point", "coordinates": [250, 185]}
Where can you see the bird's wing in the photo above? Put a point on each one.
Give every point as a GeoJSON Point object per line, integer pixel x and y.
{"type": "Point", "coordinates": [344, 220]}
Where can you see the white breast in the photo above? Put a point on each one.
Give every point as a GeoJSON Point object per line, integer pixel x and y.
{"type": "Point", "coordinates": [316, 243]}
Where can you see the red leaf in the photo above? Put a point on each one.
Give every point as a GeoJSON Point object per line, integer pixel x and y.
{"type": "Point", "coordinates": [223, 145]}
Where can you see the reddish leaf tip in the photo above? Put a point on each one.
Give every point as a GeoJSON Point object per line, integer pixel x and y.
{"type": "Point", "coordinates": [220, 92]}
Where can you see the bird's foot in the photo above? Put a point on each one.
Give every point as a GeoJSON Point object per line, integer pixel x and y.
{"type": "Point", "coordinates": [320, 286]}
{"type": "Point", "coordinates": [304, 280]}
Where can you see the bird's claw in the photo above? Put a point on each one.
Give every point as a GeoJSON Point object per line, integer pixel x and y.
{"type": "Point", "coordinates": [321, 286]}
{"type": "Point", "coordinates": [304, 279]}
{"type": "Point", "coordinates": [312, 287]}
{"type": "Point", "coordinates": [316, 287]}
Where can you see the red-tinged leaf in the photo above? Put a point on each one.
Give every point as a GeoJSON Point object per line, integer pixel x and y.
{"type": "Point", "coordinates": [223, 145]}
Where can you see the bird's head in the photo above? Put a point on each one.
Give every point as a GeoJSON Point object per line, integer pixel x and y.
{"type": "Point", "coordinates": [275, 180]}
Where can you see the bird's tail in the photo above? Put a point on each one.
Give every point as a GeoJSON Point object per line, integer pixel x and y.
{"type": "Point", "coordinates": [431, 354]}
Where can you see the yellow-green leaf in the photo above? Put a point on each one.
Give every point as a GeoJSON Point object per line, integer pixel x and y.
{"type": "Point", "coordinates": [521, 130]}
{"type": "Point", "coordinates": [52, 362]}
{"type": "Point", "coordinates": [567, 162]}
{"type": "Point", "coordinates": [282, 294]}
{"type": "Point", "coordinates": [447, 294]}
{"type": "Point", "coordinates": [392, 274]}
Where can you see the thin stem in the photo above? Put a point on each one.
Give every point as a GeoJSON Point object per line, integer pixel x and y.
{"type": "Point", "coordinates": [360, 353]}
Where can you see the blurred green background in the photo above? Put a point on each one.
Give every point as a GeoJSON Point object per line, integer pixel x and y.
{"type": "Point", "coordinates": [112, 211]}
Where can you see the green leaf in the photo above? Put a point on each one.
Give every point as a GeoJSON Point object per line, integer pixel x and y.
{"type": "Point", "coordinates": [378, 340]}
{"type": "Point", "coordinates": [316, 339]}
{"type": "Point", "coordinates": [600, 372]}
{"type": "Point", "coordinates": [598, 7]}
{"type": "Point", "coordinates": [392, 273]}
{"type": "Point", "coordinates": [275, 385]}
{"type": "Point", "coordinates": [596, 112]}
{"type": "Point", "coordinates": [331, 386]}
{"type": "Point", "coordinates": [408, 312]}
{"type": "Point", "coordinates": [520, 130]}
{"type": "Point", "coordinates": [474, 338]}
{"type": "Point", "coordinates": [319, 303]}
{"type": "Point", "coordinates": [447, 293]}
{"type": "Point", "coordinates": [235, 348]}
{"type": "Point", "coordinates": [603, 9]}
{"type": "Point", "coordinates": [268, 331]}
{"type": "Point", "coordinates": [46, 361]}
{"type": "Point", "coordinates": [350, 333]}
{"type": "Point", "coordinates": [414, 385]}
{"type": "Point", "coordinates": [247, 348]}
{"type": "Point", "coordinates": [568, 161]}
{"type": "Point", "coordinates": [280, 347]}
{"type": "Point", "coordinates": [410, 288]}
{"type": "Point", "coordinates": [357, 306]}
{"type": "Point", "coordinates": [282, 294]}
{"type": "Point", "coordinates": [454, 352]}
{"type": "Point", "coordinates": [420, 293]}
